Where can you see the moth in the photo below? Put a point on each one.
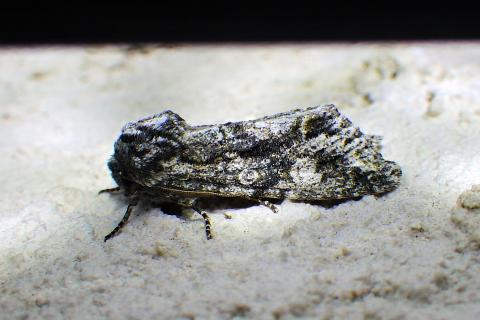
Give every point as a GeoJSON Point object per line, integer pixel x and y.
{"type": "Point", "coordinates": [307, 155]}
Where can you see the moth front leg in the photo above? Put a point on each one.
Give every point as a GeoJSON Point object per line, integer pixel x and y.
{"type": "Point", "coordinates": [110, 190]}
{"type": "Point", "coordinates": [121, 224]}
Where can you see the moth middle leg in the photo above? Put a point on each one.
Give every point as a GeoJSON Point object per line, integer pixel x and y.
{"type": "Point", "coordinates": [192, 204]}
{"type": "Point", "coordinates": [268, 204]}
{"type": "Point", "coordinates": [205, 217]}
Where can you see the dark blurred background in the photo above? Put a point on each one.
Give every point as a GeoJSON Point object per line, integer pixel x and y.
{"type": "Point", "coordinates": [73, 23]}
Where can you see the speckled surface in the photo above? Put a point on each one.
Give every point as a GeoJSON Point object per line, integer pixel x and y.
{"type": "Point", "coordinates": [414, 253]}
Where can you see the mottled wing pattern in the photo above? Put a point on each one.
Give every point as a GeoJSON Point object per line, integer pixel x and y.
{"type": "Point", "coordinates": [311, 154]}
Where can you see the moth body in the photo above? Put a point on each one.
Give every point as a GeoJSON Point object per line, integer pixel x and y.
{"type": "Point", "coordinates": [311, 154]}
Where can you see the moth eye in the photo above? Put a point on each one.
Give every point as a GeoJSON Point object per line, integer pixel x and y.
{"type": "Point", "coordinates": [127, 138]}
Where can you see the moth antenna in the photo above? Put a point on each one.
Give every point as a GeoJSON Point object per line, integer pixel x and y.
{"type": "Point", "coordinates": [122, 223]}
{"type": "Point", "coordinates": [111, 190]}
{"type": "Point", "coordinates": [207, 221]}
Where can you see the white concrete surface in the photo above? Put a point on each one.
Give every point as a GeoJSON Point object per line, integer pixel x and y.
{"type": "Point", "coordinates": [413, 254]}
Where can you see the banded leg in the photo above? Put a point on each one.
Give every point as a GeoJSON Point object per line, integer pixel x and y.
{"type": "Point", "coordinates": [111, 190]}
{"type": "Point", "coordinates": [207, 222]}
{"type": "Point", "coordinates": [269, 205]}
{"type": "Point", "coordinates": [122, 223]}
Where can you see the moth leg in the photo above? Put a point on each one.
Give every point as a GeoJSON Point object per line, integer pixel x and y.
{"type": "Point", "coordinates": [207, 221]}
{"type": "Point", "coordinates": [123, 222]}
{"type": "Point", "coordinates": [268, 204]}
{"type": "Point", "coordinates": [111, 190]}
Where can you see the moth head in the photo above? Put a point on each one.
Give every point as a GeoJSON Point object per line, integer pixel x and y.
{"type": "Point", "coordinates": [143, 145]}
{"type": "Point", "coordinates": [119, 174]}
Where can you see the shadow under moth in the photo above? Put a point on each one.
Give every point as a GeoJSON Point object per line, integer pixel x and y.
{"type": "Point", "coordinates": [312, 154]}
